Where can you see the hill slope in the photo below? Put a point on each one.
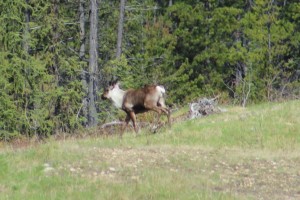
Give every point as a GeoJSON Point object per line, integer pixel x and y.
{"type": "Point", "coordinates": [241, 154]}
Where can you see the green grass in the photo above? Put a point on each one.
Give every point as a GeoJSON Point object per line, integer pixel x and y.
{"type": "Point", "coordinates": [265, 126]}
{"type": "Point", "coordinates": [22, 177]}
{"type": "Point", "coordinates": [223, 156]}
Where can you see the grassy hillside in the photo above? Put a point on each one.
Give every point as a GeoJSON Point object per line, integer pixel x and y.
{"type": "Point", "coordinates": [241, 154]}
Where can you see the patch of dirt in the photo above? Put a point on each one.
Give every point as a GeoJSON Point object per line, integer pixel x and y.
{"type": "Point", "coordinates": [262, 179]}
{"type": "Point", "coordinates": [241, 174]}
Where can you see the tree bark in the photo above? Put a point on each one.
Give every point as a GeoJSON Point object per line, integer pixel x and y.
{"type": "Point", "coordinates": [82, 29]}
{"type": "Point", "coordinates": [120, 29]}
{"type": "Point", "coordinates": [93, 63]}
{"type": "Point", "coordinates": [82, 56]}
{"type": "Point", "coordinates": [26, 30]}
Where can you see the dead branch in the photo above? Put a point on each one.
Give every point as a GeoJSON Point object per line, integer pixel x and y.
{"type": "Point", "coordinates": [203, 107]}
{"type": "Point", "coordinates": [114, 123]}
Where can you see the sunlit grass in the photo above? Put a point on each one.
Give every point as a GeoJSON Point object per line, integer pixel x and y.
{"type": "Point", "coordinates": [176, 163]}
{"type": "Point", "coordinates": [23, 177]}
{"type": "Point", "coordinates": [269, 125]}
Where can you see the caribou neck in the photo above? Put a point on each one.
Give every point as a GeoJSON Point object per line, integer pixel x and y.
{"type": "Point", "coordinates": [117, 97]}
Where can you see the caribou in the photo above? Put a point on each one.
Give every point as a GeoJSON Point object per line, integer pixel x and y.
{"type": "Point", "coordinates": [135, 101]}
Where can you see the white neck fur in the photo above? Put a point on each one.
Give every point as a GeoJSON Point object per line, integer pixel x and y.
{"type": "Point", "coordinates": [117, 96]}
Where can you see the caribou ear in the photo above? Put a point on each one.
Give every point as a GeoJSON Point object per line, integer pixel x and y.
{"type": "Point", "coordinates": [111, 82]}
{"type": "Point", "coordinates": [117, 83]}
{"type": "Point", "coordinates": [114, 83]}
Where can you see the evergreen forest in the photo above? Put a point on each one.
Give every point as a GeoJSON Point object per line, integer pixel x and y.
{"type": "Point", "coordinates": [56, 56]}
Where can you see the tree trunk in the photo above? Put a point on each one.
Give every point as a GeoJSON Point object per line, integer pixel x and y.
{"type": "Point", "coordinates": [55, 39]}
{"type": "Point", "coordinates": [82, 29]}
{"type": "Point", "coordinates": [54, 53]}
{"type": "Point", "coordinates": [26, 30]}
{"type": "Point", "coordinates": [82, 56]}
{"type": "Point", "coordinates": [269, 64]}
{"type": "Point", "coordinates": [120, 29]}
{"type": "Point", "coordinates": [93, 63]}
{"type": "Point", "coordinates": [241, 67]}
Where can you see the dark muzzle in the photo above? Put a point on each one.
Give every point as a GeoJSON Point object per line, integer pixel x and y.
{"type": "Point", "coordinates": [103, 97]}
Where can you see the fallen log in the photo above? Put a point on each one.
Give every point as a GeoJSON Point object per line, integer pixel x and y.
{"type": "Point", "coordinates": [114, 123]}
{"type": "Point", "coordinates": [116, 126]}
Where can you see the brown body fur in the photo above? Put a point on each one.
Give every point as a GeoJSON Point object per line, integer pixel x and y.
{"type": "Point", "coordinates": [141, 100]}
